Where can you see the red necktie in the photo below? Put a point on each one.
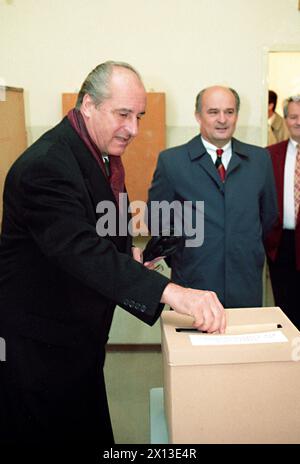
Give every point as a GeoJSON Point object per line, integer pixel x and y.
{"type": "Point", "coordinates": [219, 164]}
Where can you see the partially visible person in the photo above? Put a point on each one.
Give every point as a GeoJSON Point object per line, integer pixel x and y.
{"type": "Point", "coordinates": [277, 130]}
{"type": "Point", "coordinates": [283, 244]}
{"type": "Point", "coordinates": [60, 280]}
{"type": "Point", "coordinates": [235, 182]}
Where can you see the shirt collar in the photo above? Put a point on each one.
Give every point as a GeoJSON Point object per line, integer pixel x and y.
{"type": "Point", "coordinates": [212, 148]}
{"type": "Point", "coordinates": [294, 143]}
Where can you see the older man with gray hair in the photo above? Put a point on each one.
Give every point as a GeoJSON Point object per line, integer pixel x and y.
{"type": "Point", "coordinates": [283, 244]}
{"type": "Point", "coordinates": [60, 281]}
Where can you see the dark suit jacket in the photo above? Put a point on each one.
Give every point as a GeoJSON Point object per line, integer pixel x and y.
{"type": "Point", "coordinates": [59, 284]}
{"type": "Point", "coordinates": [236, 216]}
{"type": "Point", "coordinates": [278, 156]}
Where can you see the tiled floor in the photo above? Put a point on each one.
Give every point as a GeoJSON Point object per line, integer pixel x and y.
{"type": "Point", "coordinates": [129, 377]}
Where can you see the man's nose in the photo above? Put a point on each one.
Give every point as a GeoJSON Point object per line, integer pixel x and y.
{"type": "Point", "coordinates": [222, 117]}
{"type": "Point", "coordinates": [133, 126]}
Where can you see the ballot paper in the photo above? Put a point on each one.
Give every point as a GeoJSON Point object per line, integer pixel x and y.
{"type": "Point", "coordinates": [276, 336]}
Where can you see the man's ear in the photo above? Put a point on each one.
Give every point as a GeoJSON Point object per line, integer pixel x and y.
{"type": "Point", "coordinates": [87, 105]}
{"type": "Point", "coordinates": [198, 117]}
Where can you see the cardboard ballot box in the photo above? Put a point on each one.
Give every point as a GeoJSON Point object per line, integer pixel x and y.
{"type": "Point", "coordinates": [241, 387]}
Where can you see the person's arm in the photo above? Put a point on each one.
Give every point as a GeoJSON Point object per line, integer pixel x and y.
{"type": "Point", "coordinates": [137, 254]}
{"type": "Point", "coordinates": [56, 211]}
{"type": "Point", "coordinates": [202, 305]}
{"type": "Point", "coordinates": [161, 190]}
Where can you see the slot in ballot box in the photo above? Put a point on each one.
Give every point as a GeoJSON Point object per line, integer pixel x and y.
{"type": "Point", "coordinates": [241, 387]}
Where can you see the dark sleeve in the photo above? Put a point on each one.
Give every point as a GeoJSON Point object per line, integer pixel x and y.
{"type": "Point", "coordinates": [54, 210]}
{"type": "Point", "coordinates": [268, 203]}
{"type": "Point", "coordinates": [161, 190]}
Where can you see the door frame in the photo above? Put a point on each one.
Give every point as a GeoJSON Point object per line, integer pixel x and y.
{"type": "Point", "coordinates": [279, 48]}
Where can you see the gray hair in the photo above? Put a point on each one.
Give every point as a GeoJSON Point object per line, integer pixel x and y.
{"type": "Point", "coordinates": [294, 98]}
{"type": "Point", "coordinates": [198, 104]}
{"type": "Point", "coordinates": [96, 84]}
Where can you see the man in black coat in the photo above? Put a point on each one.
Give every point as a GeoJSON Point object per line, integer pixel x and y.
{"type": "Point", "coordinates": [60, 279]}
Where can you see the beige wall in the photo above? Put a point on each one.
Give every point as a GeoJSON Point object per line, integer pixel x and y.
{"type": "Point", "coordinates": [179, 46]}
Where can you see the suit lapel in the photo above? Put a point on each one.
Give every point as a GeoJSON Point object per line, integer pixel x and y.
{"type": "Point", "coordinates": [198, 153]}
{"type": "Point", "coordinates": [97, 184]}
{"type": "Point", "coordinates": [207, 164]}
{"type": "Point", "coordinates": [234, 163]}
{"type": "Point", "coordinates": [238, 154]}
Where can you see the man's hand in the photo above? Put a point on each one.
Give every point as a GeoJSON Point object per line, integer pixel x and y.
{"type": "Point", "coordinates": [204, 306]}
{"type": "Point", "coordinates": [137, 254]}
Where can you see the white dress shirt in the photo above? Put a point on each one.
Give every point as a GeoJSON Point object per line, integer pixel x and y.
{"type": "Point", "coordinates": [288, 186]}
{"type": "Point", "coordinates": [211, 150]}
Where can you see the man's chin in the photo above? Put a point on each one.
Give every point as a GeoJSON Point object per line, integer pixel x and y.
{"type": "Point", "coordinates": [222, 138]}
{"type": "Point", "coordinates": [222, 134]}
{"type": "Point", "coordinates": [117, 153]}
{"type": "Point", "coordinates": [118, 150]}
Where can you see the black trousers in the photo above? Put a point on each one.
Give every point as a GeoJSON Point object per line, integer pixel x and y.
{"type": "Point", "coordinates": [47, 404]}
{"type": "Point", "coordinates": [285, 279]}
